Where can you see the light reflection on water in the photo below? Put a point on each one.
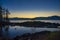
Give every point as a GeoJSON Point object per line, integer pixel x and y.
{"type": "Point", "coordinates": [52, 21]}
{"type": "Point", "coordinates": [13, 31]}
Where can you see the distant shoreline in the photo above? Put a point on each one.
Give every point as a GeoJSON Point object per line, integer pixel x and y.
{"type": "Point", "coordinates": [14, 19]}
{"type": "Point", "coordinates": [37, 18]}
{"type": "Point", "coordinates": [36, 24]}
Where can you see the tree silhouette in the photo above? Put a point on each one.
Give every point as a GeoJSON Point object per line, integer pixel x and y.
{"type": "Point", "coordinates": [4, 15]}
{"type": "Point", "coordinates": [7, 17]}
{"type": "Point", "coordinates": [1, 16]}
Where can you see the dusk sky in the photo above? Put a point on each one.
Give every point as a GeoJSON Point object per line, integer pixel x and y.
{"type": "Point", "coordinates": [32, 8]}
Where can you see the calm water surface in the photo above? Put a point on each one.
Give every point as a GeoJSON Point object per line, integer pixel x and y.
{"type": "Point", "coordinates": [52, 21]}
{"type": "Point", "coordinates": [13, 31]}
{"type": "Point", "coordinates": [20, 30]}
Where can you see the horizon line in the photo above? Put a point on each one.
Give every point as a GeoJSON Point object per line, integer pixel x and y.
{"type": "Point", "coordinates": [32, 17]}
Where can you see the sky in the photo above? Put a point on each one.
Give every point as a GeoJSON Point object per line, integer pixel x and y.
{"type": "Point", "coordinates": [32, 8]}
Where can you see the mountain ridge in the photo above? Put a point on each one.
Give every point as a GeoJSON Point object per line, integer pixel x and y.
{"type": "Point", "coordinates": [38, 18]}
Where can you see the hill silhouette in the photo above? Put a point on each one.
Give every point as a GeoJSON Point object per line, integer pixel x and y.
{"type": "Point", "coordinates": [47, 18]}
{"type": "Point", "coordinates": [38, 18]}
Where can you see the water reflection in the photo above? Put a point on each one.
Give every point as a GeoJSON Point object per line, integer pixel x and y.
{"type": "Point", "coordinates": [4, 31]}
{"type": "Point", "coordinates": [13, 31]}
{"type": "Point", "coordinates": [6, 28]}
{"type": "Point", "coordinates": [1, 31]}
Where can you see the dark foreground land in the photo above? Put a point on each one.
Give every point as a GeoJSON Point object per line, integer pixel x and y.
{"type": "Point", "coordinates": [36, 24]}
{"type": "Point", "coordinates": [44, 35]}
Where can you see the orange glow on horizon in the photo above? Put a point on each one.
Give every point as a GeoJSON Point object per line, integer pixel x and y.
{"type": "Point", "coordinates": [33, 14]}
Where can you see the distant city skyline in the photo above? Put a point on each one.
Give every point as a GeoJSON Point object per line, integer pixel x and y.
{"type": "Point", "coordinates": [32, 8]}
